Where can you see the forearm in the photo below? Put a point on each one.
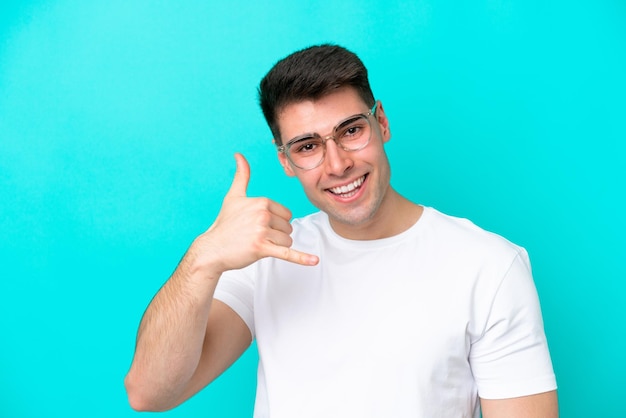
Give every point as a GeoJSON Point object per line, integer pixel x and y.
{"type": "Point", "coordinates": [171, 337]}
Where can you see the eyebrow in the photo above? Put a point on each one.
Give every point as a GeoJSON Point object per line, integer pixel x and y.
{"type": "Point", "coordinates": [301, 138]}
{"type": "Point", "coordinates": [314, 134]}
{"type": "Point", "coordinates": [348, 120]}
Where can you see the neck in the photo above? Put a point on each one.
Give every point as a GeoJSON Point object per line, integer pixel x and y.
{"type": "Point", "coordinates": [395, 215]}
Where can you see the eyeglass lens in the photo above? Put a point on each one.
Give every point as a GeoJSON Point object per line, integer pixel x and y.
{"type": "Point", "coordinates": [351, 135]}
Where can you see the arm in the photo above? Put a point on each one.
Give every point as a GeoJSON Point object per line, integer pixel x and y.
{"type": "Point", "coordinates": [176, 353]}
{"type": "Point", "coordinates": [186, 339]}
{"type": "Point", "coordinates": [512, 359]}
{"type": "Point", "coordinates": [542, 405]}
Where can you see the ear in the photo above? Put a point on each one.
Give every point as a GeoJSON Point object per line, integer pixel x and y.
{"type": "Point", "coordinates": [383, 122]}
{"type": "Point", "coordinates": [286, 164]}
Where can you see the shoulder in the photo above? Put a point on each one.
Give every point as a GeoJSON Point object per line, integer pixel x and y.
{"type": "Point", "coordinates": [461, 233]}
{"type": "Point", "coordinates": [484, 253]}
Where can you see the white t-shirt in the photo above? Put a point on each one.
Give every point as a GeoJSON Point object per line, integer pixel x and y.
{"type": "Point", "coordinates": [416, 325]}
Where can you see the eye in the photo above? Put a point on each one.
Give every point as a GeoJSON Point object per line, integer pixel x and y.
{"type": "Point", "coordinates": [352, 129]}
{"type": "Point", "coordinates": [305, 146]}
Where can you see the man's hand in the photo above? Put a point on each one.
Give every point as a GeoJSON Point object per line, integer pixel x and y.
{"type": "Point", "coordinates": [249, 229]}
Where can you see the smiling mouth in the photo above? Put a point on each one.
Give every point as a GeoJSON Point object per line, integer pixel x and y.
{"type": "Point", "coordinates": [348, 190]}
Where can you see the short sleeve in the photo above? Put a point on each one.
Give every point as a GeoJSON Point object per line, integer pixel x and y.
{"type": "Point", "coordinates": [511, 357]}
{"type": "Point", "coordinates": [236, 289]}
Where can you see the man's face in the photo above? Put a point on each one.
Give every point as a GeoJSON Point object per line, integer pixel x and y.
{"type": "Point", "coordinates": [350, 186]}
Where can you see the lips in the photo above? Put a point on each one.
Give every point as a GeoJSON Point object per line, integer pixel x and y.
{"type": "Point", "coordinates": [347, 190]}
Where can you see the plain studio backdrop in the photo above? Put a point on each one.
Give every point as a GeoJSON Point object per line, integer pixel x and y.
{"type": "Point", "coordinates": [118, 124]}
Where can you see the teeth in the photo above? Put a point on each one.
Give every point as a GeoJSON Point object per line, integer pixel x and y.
{"type": "Point", "coordinates": [348, 187]}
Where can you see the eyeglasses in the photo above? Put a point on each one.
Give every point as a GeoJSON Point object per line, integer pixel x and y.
{"type": "Point", "coordinates": [308, 151]}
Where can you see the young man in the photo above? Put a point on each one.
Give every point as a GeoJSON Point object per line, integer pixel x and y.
{"type": "Point", "coordinates": [372, 307]}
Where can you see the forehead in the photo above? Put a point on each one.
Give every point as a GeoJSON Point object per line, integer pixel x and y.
{"type": "Point", "coordinates": [319, 115]}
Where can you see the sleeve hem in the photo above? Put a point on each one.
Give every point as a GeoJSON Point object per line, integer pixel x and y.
{"type": "Point", "coordinates": [520, 388]}
{"type": "Point", "coordinates": [239, 307]}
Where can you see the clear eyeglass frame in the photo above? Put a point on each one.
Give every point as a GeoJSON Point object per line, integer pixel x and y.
{"type": "Point", "coordinates": [286, 148]}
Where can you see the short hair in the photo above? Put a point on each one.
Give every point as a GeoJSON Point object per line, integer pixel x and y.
{"type": "Point", "coordinates": [310, 74]}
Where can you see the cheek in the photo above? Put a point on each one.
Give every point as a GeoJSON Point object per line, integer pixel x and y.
{"type": "Point", "coordinates": [307, 182]}
{"type": "Point", "coordinates": [284, 162]}
{"type": "Point", "coordinates": [376, 154]}
{"type": "Point", "coordinates": [310, 185]}
{"type": "Point", "coordinates": [381, 162]}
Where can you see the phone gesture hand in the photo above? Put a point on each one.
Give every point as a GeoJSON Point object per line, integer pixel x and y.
{"type": "Point", "coordinates": [248, 229]}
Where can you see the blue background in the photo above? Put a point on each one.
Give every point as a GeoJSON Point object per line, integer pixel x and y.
{"type": "Point", "coordinates": [118, 121]}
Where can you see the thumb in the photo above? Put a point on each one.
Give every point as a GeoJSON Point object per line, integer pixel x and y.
{"type": "Point", "coordinates": [239, 185]}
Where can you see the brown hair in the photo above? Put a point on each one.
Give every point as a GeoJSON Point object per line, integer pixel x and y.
{"type": "Point", "coordinates": [310, 74]}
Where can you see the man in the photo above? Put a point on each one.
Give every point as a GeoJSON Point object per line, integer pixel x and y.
{"type": "Point", "coordinates": [374, 306]}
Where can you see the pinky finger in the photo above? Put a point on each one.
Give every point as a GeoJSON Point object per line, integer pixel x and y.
{"type": "Point", "coordinates": [294, 256]}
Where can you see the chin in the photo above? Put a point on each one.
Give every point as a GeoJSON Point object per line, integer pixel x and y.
{"type": "Point", "coordinates": [352, 218]}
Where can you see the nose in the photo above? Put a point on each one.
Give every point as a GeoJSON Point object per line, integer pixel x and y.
{"type": "Point", "coordinates": [337, 160]}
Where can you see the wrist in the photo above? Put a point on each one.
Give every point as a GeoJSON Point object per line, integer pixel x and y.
{"type": "Point", "coordinates": [203, 261]}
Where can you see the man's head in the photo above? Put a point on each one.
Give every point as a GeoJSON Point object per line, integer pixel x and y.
{"type": "Point", "coordinates": [313, 95]}
{"type": "Point", "coordinates": [310, 74]}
